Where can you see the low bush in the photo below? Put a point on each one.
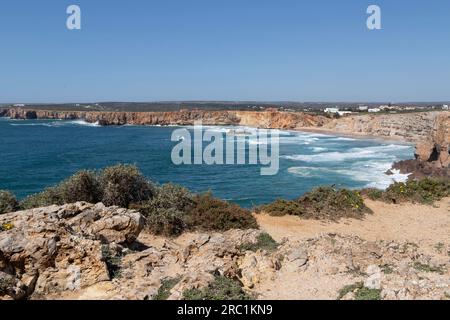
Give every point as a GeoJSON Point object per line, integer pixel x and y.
{"type": "Point", "coordinates": [166, 286]}
{"type": "Point", "coordinates": [321, 203]}
{"type": "Point", "coordinates": [45, 198]}
{"type": "Point", "coordinates": [220, 290]}
{"type": "Point", "coordinates": [360, 292]}
{"type": "Point", "coordinates": [118, 185]}
{"type": "Point", "coordinates": [209, 213]}
{"type": "Point", "coordinates": [166, 211]}
{"type": "Point", "coordinates": [281, 208]}
{"type": "Point", "coordinates": [264, 242]}
{"type": "Point", "coordinates": [166, 222]}
{"type": "Point", "coordinates": [425, 191]}
{"type": "Point", "coordinates": [82, 186]}
{"type": "Point", "coordinates": [124, 184]}
{"type": "Point", "coordinates": [8, 202]}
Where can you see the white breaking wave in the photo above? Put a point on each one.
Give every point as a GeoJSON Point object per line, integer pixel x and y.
{"type": "Point", "coordinates": [84, 123]}
{"type": "Point", "coordinates": [379, 152]}
{"type": "Point", "coordinates": [58, 123]}
{"type": "Point", "coordinates": [372, 173]}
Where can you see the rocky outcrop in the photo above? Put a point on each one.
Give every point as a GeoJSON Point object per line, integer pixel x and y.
{"type": "Point", "coordinates": [436, 148]}
{"type": "Point", "coordinates": [59, 248]}
{"type": "Point", "coordinates": [430, 131]}
{"type": "Point", "coordinates": [64, 252]}
{"type": "Point", "coordinates": [268, 120]}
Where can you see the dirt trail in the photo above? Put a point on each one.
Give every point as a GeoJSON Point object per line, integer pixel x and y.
{"type": "Point", "coordinates": [421, 224]}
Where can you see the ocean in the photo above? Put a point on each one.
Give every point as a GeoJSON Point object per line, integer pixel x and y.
{"type": "Point", "coordinates": [35, 154]}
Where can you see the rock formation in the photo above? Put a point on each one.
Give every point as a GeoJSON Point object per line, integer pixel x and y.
{"type": "Point", "coordinates": [65, 252]}
{"type": "Point", "coordinates": [268, 120]}
{"type": "Point", "coordinates": [59, 248]}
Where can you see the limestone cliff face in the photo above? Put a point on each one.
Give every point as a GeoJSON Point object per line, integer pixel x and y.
{"type": "Point", "coordinates": [411, 127]}
{"type": "Point", "coordinates": [269, 120]}
{"type": "Point", "coordinates": [429, 130]}
{"type": "Point", "coordinates": [436, 148]}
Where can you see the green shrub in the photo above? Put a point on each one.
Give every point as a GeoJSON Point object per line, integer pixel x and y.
{"type": "Point", "coordinates": [281, 208]}
{"type": "Point", "coordinates": [48, 197]}
{"type": "Point", "coordinates": [8, 202]}
{"type": "Point", "coordinates": [264, 242]}
{"type": "Point", "coordinates": [172, 196]}
{"type": "Point", "coordinates": [82, 186]}
{"type": "Point", "coordinates": [427, 268]}
{"type": "Point", "coordinates": [166, 286]}
{"type": "Point", "coordinates": [374, 194]}
{"type": "Point", "coordinates": [221, 289]}
{"type": "Point", "coordinates": [167, 222]}
{"type": "Point", "coordinates": [366, 294]}
{"type": "Point", "coordinates": [210, 213]}
{"type": "Point", "coordinates": [361, 292]}
{"type": "Point", "coordinates": [165, 212]}
{"type": "Point", "coordinates": [123, 185]}
{"type": "Point", "coordinates": [119, 185]}
{"type": "Point", "coordinates": [321, 203]}
{"type": "Point", "coordinates": [424, 191]}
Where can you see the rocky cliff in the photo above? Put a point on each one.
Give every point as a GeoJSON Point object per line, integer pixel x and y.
{"type": "Point", "coordinates": [430, 131]}
{"type": "Point", "coordinates": [86, 251]}
{"type": "Point", "coordinates": [269, 120]}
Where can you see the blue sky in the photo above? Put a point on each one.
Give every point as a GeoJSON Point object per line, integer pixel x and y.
{"type": "Point", "coordinates": [148, 50]}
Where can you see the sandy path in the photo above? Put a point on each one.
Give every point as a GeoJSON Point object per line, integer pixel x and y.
{"type": "Point", "coordinates": [421, 224]}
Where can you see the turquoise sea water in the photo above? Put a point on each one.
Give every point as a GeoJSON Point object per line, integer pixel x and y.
{"type": "Point", "coordinates": [35, 154]}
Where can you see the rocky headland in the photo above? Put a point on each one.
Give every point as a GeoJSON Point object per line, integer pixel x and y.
{"type": "Point", "coordinates": [86, 251]}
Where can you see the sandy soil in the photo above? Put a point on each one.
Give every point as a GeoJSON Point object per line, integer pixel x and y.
{"type": "Point", "coordinates": [421, 224]}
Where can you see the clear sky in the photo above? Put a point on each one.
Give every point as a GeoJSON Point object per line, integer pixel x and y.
{"type": "Point", "coordinates": [290, 50]}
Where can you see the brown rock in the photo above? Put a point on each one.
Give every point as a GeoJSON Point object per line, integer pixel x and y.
{"type": "Point", "coordinates": [59, 248]}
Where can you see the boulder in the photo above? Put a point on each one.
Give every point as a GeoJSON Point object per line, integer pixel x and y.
{"type": "Point", "coordinates": [59, 248]}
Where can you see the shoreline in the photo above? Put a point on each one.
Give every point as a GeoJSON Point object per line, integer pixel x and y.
{"type": "Point", "coordinates": [329, 132]}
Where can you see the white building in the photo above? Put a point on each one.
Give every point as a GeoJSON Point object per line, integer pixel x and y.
{"type": "Point", "coordinates": [374, 110]}
{"type": "Point", "coordinates": [445, 107]}
{"type": "Point", "coordinates": [363, 108]}
{"type": "Point", "coordinates": [331, 110]}
{"type": "Point", "coordinates": [344, 113]}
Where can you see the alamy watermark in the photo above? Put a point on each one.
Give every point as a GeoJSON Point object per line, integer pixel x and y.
{"type": "Point", "coordinates": [374, 20]}
{"type": "Point", "coordinates": [229, 147]}
{"type": "Point", "coordinates": [73, 21]}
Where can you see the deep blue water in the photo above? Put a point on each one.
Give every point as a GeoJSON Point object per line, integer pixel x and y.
{"type": "Point", "coordinates": [36, 154]}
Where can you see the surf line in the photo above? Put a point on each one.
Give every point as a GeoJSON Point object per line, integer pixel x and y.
{"type": "Point", "coordinates": [229, 148]}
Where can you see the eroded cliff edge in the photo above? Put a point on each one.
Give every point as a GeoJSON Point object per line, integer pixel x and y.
{"type": "Point", "coordinates": [430, 131]}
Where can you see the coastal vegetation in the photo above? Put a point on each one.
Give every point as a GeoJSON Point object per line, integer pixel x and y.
{"type": "Point", "coordinates": [264, 242]}
{"type": "Point", "coordinates": [168, 209]}
{"type": "Point", "coordinates": [425, 191]}
{"type": "Point", "coordinates": [360, 292]}
{"type": "Point", "coordinates": [8, 202]}
{"type": "Point", "coordinates": [321, 203]}
{"type": "Point", "coordinates": [164, 290]}
{"type": "Point", "coordinates": [222, 288]}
